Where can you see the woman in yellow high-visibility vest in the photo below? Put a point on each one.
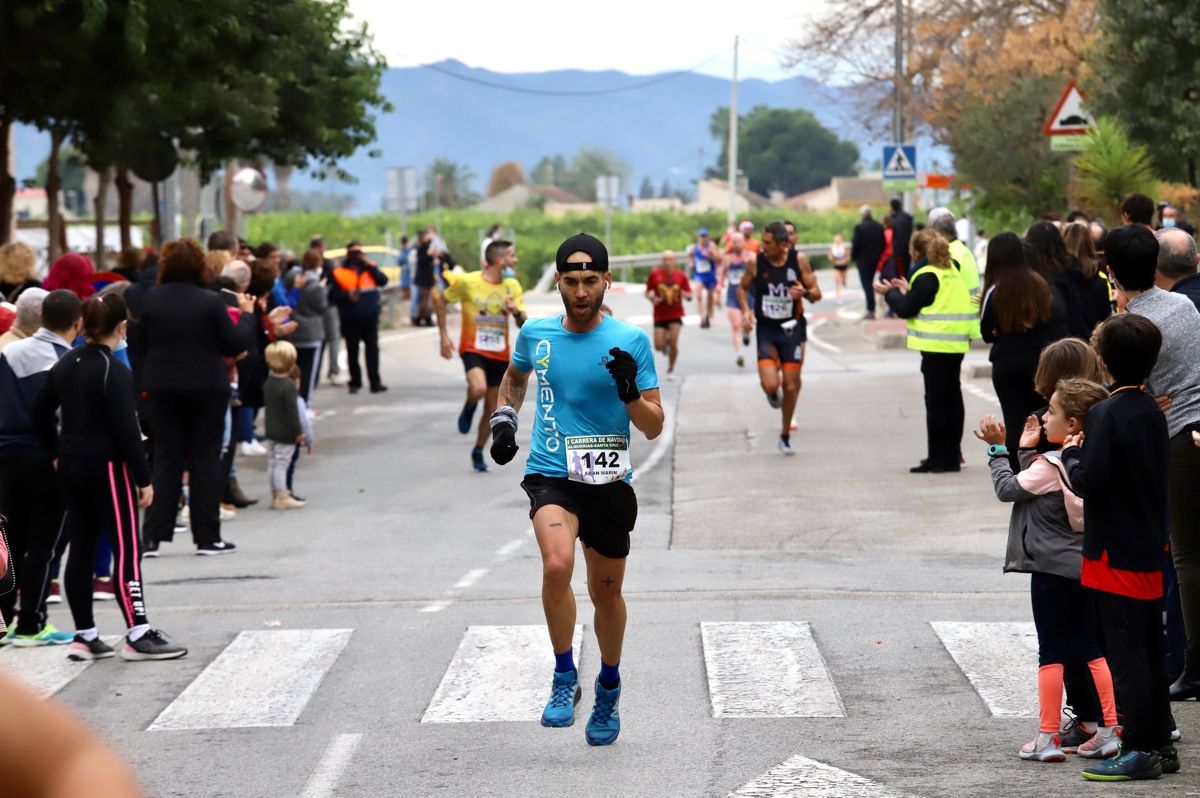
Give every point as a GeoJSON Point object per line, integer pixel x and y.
{"type": "Point", "coordinates": [941, 316]}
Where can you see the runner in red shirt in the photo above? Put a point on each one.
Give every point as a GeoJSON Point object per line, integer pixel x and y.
{"type": "Point", "coordinates": [668, 287]}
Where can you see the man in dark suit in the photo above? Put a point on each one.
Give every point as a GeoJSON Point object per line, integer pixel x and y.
{"type": "Point", "coordinates": [866, 248]}
{"type": "Point", "coordinates": [902, 230]}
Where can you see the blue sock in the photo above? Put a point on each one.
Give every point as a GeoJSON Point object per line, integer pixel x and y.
{"type": "Point", "coordinates": [610, 675]}
{"type": "Point", "coordinates": [564, 662]}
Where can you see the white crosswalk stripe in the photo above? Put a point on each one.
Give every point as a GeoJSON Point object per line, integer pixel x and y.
{"type": "Point", "coordinates": [262, 678]}
{"type": "Point", "coordinates": [800, 777]}
{"type": "Point", "coordinates": [499, 673]}
{"type": "Point", "coordinates": [45, 669]}
{"type": "Point", "coordinates": [1000, 660]}
{"type": "Point", "coordinates": [767, 670]}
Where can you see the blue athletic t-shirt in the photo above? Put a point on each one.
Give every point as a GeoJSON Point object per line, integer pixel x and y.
{"type": "Point", "coordinates": [575, 395]}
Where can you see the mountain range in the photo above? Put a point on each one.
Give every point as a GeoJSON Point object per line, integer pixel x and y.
{"type": "Point", "coordinates": [659, 125]}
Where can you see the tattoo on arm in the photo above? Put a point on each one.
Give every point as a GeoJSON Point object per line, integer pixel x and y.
{"type": "Point", "coordinates": [512, 389]}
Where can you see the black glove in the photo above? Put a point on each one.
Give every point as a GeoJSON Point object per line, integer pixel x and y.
{"type": "Point", "coordinates": [623, 369]}
{"type": "Point", "coordinates": [504, 435]}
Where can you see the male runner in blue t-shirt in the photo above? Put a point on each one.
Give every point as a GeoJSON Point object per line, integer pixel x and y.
{"type": "Point", "coordinates": [595, 375]}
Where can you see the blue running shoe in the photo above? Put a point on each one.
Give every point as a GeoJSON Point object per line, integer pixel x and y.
{"type": "Point", "coordinates": [49, 636]}
{"type": "Point", "coordinates": [477, 459]}
{"type": "Point", "coordinates": [605, 723]}
{"type": "Point", "coordinates": [564, 695]}
{"type": "Point", "coordinates": [466, 417]}
{"type": "Point", "coordinates": [1127, 766]}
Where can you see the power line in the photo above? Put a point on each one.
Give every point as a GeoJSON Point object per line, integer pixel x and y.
{"type": "Point", "coordinates": [568, 93]}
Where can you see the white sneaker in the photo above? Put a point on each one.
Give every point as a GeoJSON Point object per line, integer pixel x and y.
{"type": "Point", "coordinates": [1104, 743]}
{"type": "Point", "coordinates": [226, 514]}
{"type": "Point", "coordinates": [785, 447]}
{"type": "Point", "coordinates": [252, 449]}
{"type": "Point", "coordinates": [1043, 748]}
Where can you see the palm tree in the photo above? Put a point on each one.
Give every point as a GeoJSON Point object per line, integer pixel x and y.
{"type": "Point", "coordinates": [449, 184]}
{"type": "Point", "coordinates": [1111, 167]}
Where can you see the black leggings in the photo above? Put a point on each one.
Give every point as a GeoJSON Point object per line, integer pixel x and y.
{"type": "Point", "coordinates": [944, 412]}
{"type": "Point", "coordinates": [101, 500]}
{"type": "Point", "coordinates": [1012, 379]}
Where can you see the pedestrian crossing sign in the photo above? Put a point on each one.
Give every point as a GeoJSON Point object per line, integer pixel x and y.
{"type": "Point", "coordinates": [900, 165]}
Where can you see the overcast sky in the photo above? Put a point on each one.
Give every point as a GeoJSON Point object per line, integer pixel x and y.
{"type": "Point", "coordinates": [635, 36]}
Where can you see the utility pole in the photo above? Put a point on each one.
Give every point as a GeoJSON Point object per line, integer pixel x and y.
{"type": "Point", "coordinates": [898, 98]}
{"type": "Point", "coordinates": [733, 139]}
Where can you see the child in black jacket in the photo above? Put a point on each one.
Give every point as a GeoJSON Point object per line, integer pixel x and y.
{"type": "Point", "coordinates": [1121, 471]}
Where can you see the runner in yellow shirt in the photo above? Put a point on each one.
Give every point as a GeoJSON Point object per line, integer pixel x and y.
{"type": "Point", "coordinates": [489, 297]}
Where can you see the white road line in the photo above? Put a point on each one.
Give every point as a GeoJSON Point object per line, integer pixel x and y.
{"type": "Point", "coordinates": [260, 679]}
{"type": "Point", "coordinates": [400, 336]}
{"type": "Point", "coordinates": [817, 341]}
{"type": "Point", "coordinates": [471, 577]}
{"type": "Point", "coordinates": [45, 669]}
{"type": "Point", "coordinates": [509, 549]}
{"type": "Point", "coordinates": [980, 393]}
{"type": "Point", "coordinates": [664, 443]}
{"type": "Point", "coordinates": [324, 780]}
{"type": "Point", "coordinates": [499, 673]}
{"type": "Point", "coordinates": [436, 606]}
{"type": "Point", "coordinates": [800, 777]}
{"type": "Point", "coordinates": [407, 408]}
{"type": "Point", "coordinates": [1000, 660]}
{"type": "Point", "coordinates": [767, 670]}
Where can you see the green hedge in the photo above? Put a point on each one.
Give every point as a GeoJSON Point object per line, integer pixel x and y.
{"type": "Point", "coordinates": [537, 235]}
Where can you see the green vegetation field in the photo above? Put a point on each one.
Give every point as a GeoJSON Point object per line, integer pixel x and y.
{"type": "Point", "coordinates": [537, 236]}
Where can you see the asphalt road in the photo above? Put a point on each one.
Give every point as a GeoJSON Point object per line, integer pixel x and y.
{"type": "Point", "coordinates": [823, 625]}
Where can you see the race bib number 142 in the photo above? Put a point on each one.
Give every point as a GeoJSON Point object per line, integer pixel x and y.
{"type": "Point", "coordinates": [597, 459]}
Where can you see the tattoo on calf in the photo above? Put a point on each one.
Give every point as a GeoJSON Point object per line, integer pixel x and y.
{"type": "Point", "coordinates": [608, 581]}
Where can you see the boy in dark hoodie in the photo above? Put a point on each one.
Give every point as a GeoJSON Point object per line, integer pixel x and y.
{"type": "Point", "coordinates": [1121, 471]}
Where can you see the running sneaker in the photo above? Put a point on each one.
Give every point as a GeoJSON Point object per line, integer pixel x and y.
{"type": "Point", "coordinates": [1074, 735]}
{"type": "Point", "coordinates": [745, 339]}
{"type": "Point", "coordinates": [150, 548]}
{"type": "Point", "coordinates": [774, 399]}
{"type": "Point", "coordinates": [49, 636]}
{"type": "Point", "coordinates": [1129, 766]}
{"type": "Point", "coordinates": [785, 446]}
{"type": "Point", "coordinates": [1169, 755]}
{"type": "Point", "coordinates": [55, 595]}
{"type": "Point", "coordinates": [477, 459]}
{"type": "Point", "coordinates": [1043, 748]}
{"type": "Point", "coordinates": [152, 645]}
{"type": "Point", "coordinates": [741, 361]}
{"type": "Point", "coordinates": [102, 589]}
{"type": "Point", "coordinates": [220, 547]}
{"type": "Point", "coordinates": [1175, 735]}
{"type": "Point", "coordinates": [1105, 742]}
{"type": "Point", "coordinates": [605, 722]}
{"type": "Point", "coordinates": [564, 695]}
{"type": "Point", "coordinates": [226, 512]}
{"type": "Point", "coordinates": [466, 417]}
{"type": "Point", "coordinates": [85, 650]}
{"type": "Point", "coordinates": [252, 449]}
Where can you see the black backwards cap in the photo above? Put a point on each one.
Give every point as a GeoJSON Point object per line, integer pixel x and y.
{"type": "Point", "coordinates": [582, 243]}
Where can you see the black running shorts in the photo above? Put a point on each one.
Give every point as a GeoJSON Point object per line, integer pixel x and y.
{"type": "Point", "coordinates": [780, 345]}
{"type": "Point", "coordinates": [492, 368]}
{"type": "Point", "coordinates": [606, 513]}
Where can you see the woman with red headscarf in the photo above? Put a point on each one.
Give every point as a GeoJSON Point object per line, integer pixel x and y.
{"type": "Point", "coordinates": [73, 272]}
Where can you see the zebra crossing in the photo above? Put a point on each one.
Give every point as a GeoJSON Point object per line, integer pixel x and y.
{"type": "Point", "coordinates": [268, 678]}
{"type": "Point", "coordinates": [499, 673]}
